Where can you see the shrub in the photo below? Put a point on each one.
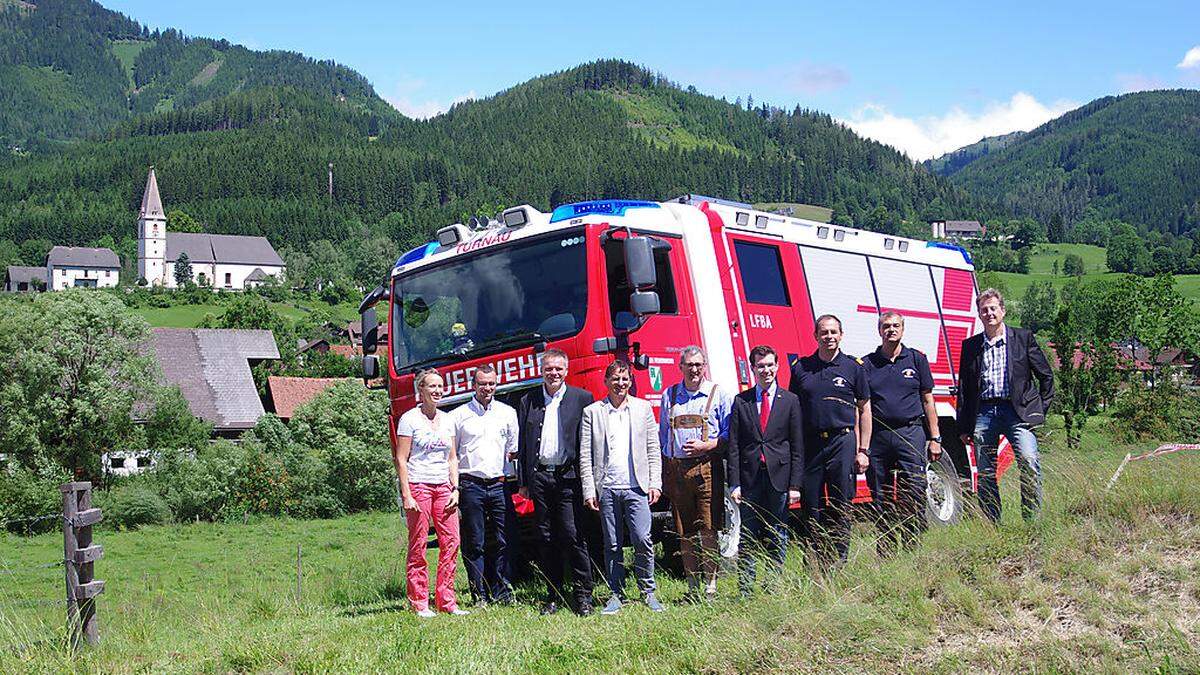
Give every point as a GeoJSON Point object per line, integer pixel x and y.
{"type": "Point", "coordinates": [130, 506]}
{"type": "Point", "coordinates": [361, 476]}
{"type": "Point", "coordinates": [196, 486]}
{"type": "Point", "coordinates": [27, 495]}
{"type": "Point", "coordinates": [1163, 413]}
{"type": "Point", "coordinates": [260, 483]}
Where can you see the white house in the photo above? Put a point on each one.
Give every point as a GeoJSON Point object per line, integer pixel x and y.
{"type": "Point", "coordinates": [68, 266]}
{"type": "Point", "coordinates": [220, 260]}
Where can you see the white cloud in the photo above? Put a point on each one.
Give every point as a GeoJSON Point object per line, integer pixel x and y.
{"type": "Point", "coordinates": [1191, 59]}
{"type": "Point", "coordinates": [406, 97]}
{"type": "Point", "coordinates": [927, 137]}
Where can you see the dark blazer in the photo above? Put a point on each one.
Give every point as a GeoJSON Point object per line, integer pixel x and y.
{"type": "Point", "coordinates": [1026, 361]}
{"type": "Point", "coordinates": [782, 444]}
{"type": "Point", "coordinates": [531, 410]}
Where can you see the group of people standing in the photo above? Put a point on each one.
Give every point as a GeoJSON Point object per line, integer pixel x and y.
{"type": "Point", "coordinates": [770, 449]}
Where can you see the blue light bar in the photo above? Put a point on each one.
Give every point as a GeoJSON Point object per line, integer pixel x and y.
{"type": "Point", "coordinates": [951, 247]}
{"type": "Point", "coordinates": [417, 253]}
{"type": "Point", "coordinates": [607, 207]}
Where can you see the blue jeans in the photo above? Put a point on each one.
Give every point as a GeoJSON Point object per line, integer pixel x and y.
{"type": "Point", "coordinates": [764, 512]}
{"type": "Point", "coordinates": [992, 422]}
{"type": "Point", "coordinates": [627, 511]}
{"type": "Point", "coordinates": [483, 509]}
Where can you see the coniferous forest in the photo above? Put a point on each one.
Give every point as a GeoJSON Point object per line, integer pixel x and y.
{"type": "Point", "coordinates": [243, 141]}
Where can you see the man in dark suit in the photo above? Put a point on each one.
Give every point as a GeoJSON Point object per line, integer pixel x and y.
{"type": "Point", "coordinates": [548, 419]}
{"type": "Point", "coordinates": [998, 396]}
{"type": "Point", "coordinates": [766, 464]}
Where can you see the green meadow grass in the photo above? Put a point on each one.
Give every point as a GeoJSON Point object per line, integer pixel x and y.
{"type": "Point", "coordinates": [1104, 582]}
{"type": "Point", "coordinates": [1041, 268]}
{"type": "Point", "coordinates": [190, 316]}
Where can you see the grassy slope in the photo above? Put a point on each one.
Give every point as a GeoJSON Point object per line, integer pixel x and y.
{"type": "Point", "coordinates": [126, 51]}
{"type": "Point", "coordinates": [655, 117]}
{"type": "Point", "coordinates": [190, 316]}
{"type": "Point", "coordinates": [1105, 582]}
{"type": "Point", "coordinates": [806, 211]}
{"type": "Point", "coordinates": [1042, 263]}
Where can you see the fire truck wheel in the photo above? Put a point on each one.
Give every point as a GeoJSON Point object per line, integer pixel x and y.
{"type": "Point", "coordinates": [662, 530]}
{"type": "Point", "coordinates": [943, 492]}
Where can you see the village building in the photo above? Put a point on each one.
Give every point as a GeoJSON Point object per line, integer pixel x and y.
{"type": "Point", "coordinates": [224, 261]}
{"type": "Point", "coordinates": [211, 367]}
{"type": "Point", "coordinates": [77, 266]}
{"type": "Point", "coordinates": [957, 229]}
{"type": "Point", "coordinates": [19, 279]}
{"type": "Point", "coordinates": [289, 393]}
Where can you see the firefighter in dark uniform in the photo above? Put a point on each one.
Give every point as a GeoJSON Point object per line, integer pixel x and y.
{"type": "Point", "coordinates": [901, 406]}
{"type": "Point", "coordinates": [835, 398]}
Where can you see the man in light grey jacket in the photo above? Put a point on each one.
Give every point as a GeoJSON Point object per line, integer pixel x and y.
{"type": "Point", "coordinates": [620, 465]}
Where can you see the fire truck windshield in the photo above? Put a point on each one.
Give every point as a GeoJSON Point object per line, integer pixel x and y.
{"type": "Point", "coordinates": [496, 299]}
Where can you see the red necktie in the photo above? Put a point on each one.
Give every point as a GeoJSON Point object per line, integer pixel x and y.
{"type": "Point", "coordinates": [764, 414]}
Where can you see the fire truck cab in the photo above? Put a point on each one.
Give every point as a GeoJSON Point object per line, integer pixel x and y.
{"type": "Point", "coordinates": [639, 280]}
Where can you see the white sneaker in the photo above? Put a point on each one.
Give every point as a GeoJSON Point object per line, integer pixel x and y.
{"type": "Point", "coordinates": [426, 613]}
{"type": "Point", "coordinates": [458, 612]}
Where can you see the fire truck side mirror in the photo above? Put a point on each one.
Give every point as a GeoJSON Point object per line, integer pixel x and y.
{"type": "Point", "coordinates": [639, 264]}
{"type": "Point", "coordinates": [370, 331]}
{"type": "Point", "coordinates": [643, 303]}
{"type": "Point", "coordinates": [370, 367]}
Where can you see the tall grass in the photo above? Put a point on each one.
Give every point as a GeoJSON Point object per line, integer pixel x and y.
{"type": "Point", "coordinates": [1104, 581]}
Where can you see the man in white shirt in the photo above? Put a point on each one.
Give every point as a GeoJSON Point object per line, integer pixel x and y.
{"type": "Point", "coordinates": [485, 431]}
{"type": "Point", "coordinates": [548, 470]}
{"type": "Point", "coordinates": [620, 464]}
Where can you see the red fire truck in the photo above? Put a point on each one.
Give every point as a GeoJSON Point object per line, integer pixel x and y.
{"type": "Point", "coordinates": [639, 280]}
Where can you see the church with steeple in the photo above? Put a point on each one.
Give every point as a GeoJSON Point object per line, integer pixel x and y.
{"type": "Point", "coordinates": [224, 261]}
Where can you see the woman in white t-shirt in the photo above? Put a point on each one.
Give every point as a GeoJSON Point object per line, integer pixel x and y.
{"type": "Point", "coordinates": [427, 464]}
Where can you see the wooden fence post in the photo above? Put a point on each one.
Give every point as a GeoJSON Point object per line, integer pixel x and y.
{"type": "Point", "coordinates": [79, 557]}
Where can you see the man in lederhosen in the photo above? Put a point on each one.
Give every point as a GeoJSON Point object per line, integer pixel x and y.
{"type": "Point", "coordinates": [693, 430]}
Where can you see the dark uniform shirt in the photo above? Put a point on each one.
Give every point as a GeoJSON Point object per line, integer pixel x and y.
{"type": "Point", "coordinates": [828, 390]}
{"type": "Point", "coordinates": [896, 386]}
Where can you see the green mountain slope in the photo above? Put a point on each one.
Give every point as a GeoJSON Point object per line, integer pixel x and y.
{"type": "Point", "coordinates": [1134, 157]}
{"type": "Point", "coordinates": [953, 162]}
{"type": "Point", "coordinates": [71, 69]}
{"type": "Point", "coordinates": [256, 161]}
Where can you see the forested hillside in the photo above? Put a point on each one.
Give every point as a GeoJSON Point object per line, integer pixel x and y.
{"type": "Point", "coordinates": [71, 68]}
{"type": "Point", "coordinates": [953, 162]}
{"type": "Point", "coordinates": [255, 162]}
{"type": "Point", "coordinates": [1133, 158]}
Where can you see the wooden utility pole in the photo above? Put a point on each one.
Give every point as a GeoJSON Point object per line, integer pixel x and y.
{"type": "Point", "coordinates": [80, 554]}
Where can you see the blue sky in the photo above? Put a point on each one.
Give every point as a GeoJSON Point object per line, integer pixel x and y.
{"type": "Point", "coordinates": [926, 77]}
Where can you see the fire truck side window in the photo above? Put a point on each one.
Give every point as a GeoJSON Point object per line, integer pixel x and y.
{"type": "Point", "coordinates": [618, 285]}
{"type": "Point", "coordinates": [761, 273]}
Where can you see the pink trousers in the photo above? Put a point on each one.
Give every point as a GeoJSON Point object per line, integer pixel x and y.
{"type": "Point", "coordinates": [432, 502]}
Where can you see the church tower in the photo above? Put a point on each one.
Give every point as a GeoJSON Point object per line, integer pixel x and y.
{"type": "Point", "coordinates": [152, 235]}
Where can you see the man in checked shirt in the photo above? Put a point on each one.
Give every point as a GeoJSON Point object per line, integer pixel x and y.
{"type": "Point", "coordinates": [999, 397]}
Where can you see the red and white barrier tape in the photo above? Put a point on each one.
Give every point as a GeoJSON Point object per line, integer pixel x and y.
{"type": "Point", "coordinates": [1164, 449]}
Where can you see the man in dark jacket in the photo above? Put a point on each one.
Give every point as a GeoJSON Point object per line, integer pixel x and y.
{"type": "Point", "coordinates": [999, 397]}
{"type": "Point", "coordinates": [766, 464]}
{"type": "Point", "coordinates": [548, 419]}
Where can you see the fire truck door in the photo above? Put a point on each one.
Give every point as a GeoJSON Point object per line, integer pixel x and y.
{"type": "Point", "coordinates": [773, 299]}
{"type": "Point", "coordinates": [664, 334]}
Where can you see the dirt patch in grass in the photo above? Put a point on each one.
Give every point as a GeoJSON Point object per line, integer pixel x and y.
{"type": "Point", "coordinates": [207, 73]}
